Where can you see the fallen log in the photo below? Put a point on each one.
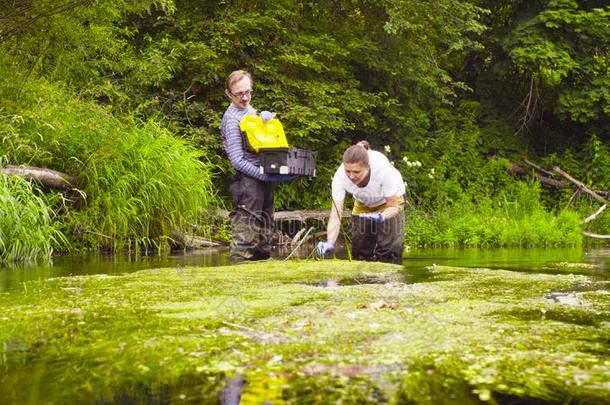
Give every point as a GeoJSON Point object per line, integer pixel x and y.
{"type": "Point", "coordinates": [547, 178]}
{"type": "Point", "coordinates": [515, 169]}
{"type": "Point", "coordinates": [605, 194]}
{"type": "Point", "coordinates": [43, 176]}
{"type": "Point", "coordinates": [304, 215]}
{"type": "Point", "coordinates": [300, 216]}
{"type": "Point", "coordinates": [538, 168]}
{"type": "Point", "coordinates": [580, 187]}
{"type": "Point", "coordinates": [197, 242]}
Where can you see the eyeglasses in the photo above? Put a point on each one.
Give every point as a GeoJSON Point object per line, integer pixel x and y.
{"type": "Point", "coordinates": [240, 94]}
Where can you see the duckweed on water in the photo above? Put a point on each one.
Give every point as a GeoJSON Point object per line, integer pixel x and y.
{"type": "Point", "coordinates": [306, 332]}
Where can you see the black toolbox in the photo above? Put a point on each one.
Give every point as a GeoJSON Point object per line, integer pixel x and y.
{"type": "Point", "coordinates": [287, 161]}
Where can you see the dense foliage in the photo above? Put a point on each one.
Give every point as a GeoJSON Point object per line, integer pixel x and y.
{"type": "Point", "coordinates": [453, 90]}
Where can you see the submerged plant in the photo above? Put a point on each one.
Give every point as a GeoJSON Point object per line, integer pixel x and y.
{"type": "Point", "coordinates": [184, 334]}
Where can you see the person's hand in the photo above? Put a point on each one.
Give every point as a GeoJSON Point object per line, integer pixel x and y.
{"type": "Point", "coordinates": [324, 247]}
{"type": "Point", "coordinates": [373, 216]}
{"type": "Point", "coordinates": [267, 115]}
{"type": "Point", "coordinates": [280, 178]}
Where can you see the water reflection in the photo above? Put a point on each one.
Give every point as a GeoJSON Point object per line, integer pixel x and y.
{"type": "Point", "coordinates": [416, 261]}
{"type": "Point", "coordinates": [508, 259]}
{"type": "Point", "coordinates": [65, 266]}
{"type": "Point", "coordinates": [594, 262]}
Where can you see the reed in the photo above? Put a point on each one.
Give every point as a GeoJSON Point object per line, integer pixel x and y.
{"type": "Point", "coordinates": [143, 186]}
{"type": "Point", "coordinates": [27, 232]}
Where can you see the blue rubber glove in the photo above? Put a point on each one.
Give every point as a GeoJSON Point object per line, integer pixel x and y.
{"type": "Point", "coordinates": [324, 247]}
{"type": "Point", "coordinates": [374, 216]}
{"type": "Point", "coordinates": [266, 115]}
{"type": "Point", "coordinates": [280, 178]}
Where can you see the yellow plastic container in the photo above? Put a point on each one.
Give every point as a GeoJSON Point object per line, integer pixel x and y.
{"type": "Point", "coordinates": [261, 135]}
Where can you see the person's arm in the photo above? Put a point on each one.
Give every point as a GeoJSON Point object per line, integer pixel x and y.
{"type": "Point", "coordinates": [390, 211]}
{"type": "Point", "coordinates": [334, 221]}
{"type": "Point", "coordinates": [234, 147]}
{"type": "Point", "coordinates": [392, 208]}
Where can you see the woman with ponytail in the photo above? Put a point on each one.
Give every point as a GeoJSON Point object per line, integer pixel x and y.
{"type": "Point", "coordinates": [378, 223]}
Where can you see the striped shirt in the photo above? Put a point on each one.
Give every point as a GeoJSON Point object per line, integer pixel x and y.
{"type": "Point", "coordinates": [241, 159]}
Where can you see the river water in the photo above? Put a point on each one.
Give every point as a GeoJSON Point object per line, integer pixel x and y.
{"type": "Point", "coordinates": [525, 260]}
{"type": "Point", "coordinates": [33, 375]}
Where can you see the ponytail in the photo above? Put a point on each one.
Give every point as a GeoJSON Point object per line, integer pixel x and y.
{"type": "Point", "coordinates": [364, 144]}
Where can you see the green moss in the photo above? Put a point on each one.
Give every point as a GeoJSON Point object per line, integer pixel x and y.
{"type": "Point", "coordinates": [170, 334]}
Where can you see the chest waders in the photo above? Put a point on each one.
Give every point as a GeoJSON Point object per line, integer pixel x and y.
{"type": "Point", "coordinates": [252, 219]}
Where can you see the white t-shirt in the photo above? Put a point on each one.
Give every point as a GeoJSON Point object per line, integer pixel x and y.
{"type": "Point", "coordinates": [385, 181]}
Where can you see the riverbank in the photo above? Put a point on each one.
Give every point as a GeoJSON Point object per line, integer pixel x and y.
{"type": "Point", "coordinates": [307, 331]}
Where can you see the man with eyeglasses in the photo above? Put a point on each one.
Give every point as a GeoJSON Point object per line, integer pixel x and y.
{"type": "Point", "coordinates": [252, 191]}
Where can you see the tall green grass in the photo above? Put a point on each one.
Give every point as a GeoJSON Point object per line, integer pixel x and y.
{"type": "Point", "coordinates": [141, 187]}
{"type": "Point", "coordinates": [515, 217]}
{"type": "Point", "coordinates": [138, 183]}
{"type": "Point", "coordinates": [27, 231]}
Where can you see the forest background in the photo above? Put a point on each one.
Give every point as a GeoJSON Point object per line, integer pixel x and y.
{"type": "Point", "coordinates": [127, 96]}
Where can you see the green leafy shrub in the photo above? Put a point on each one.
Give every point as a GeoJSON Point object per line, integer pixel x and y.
{"type": "Point", "coordinates": [460, 89]}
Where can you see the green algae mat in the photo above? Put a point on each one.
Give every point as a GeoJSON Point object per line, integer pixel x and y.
{"type": "Point", "coordinates": [308, 332]}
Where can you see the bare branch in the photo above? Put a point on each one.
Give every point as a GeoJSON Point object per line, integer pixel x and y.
{"type": "Point", "coordinates": [594, 215]}
{"type": "Point", "coordinates": [529, 105]}
{"type": "Point", "coordinates": [595, 235]}
{"type": "Point", "coordinates": [581, 186]}
{"type": "Point", "coordinates": [572, 197]}
{"type": "Point", "coordinates": [538, 168]}
{"type": "Point", "coordinates": [300, 216]}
